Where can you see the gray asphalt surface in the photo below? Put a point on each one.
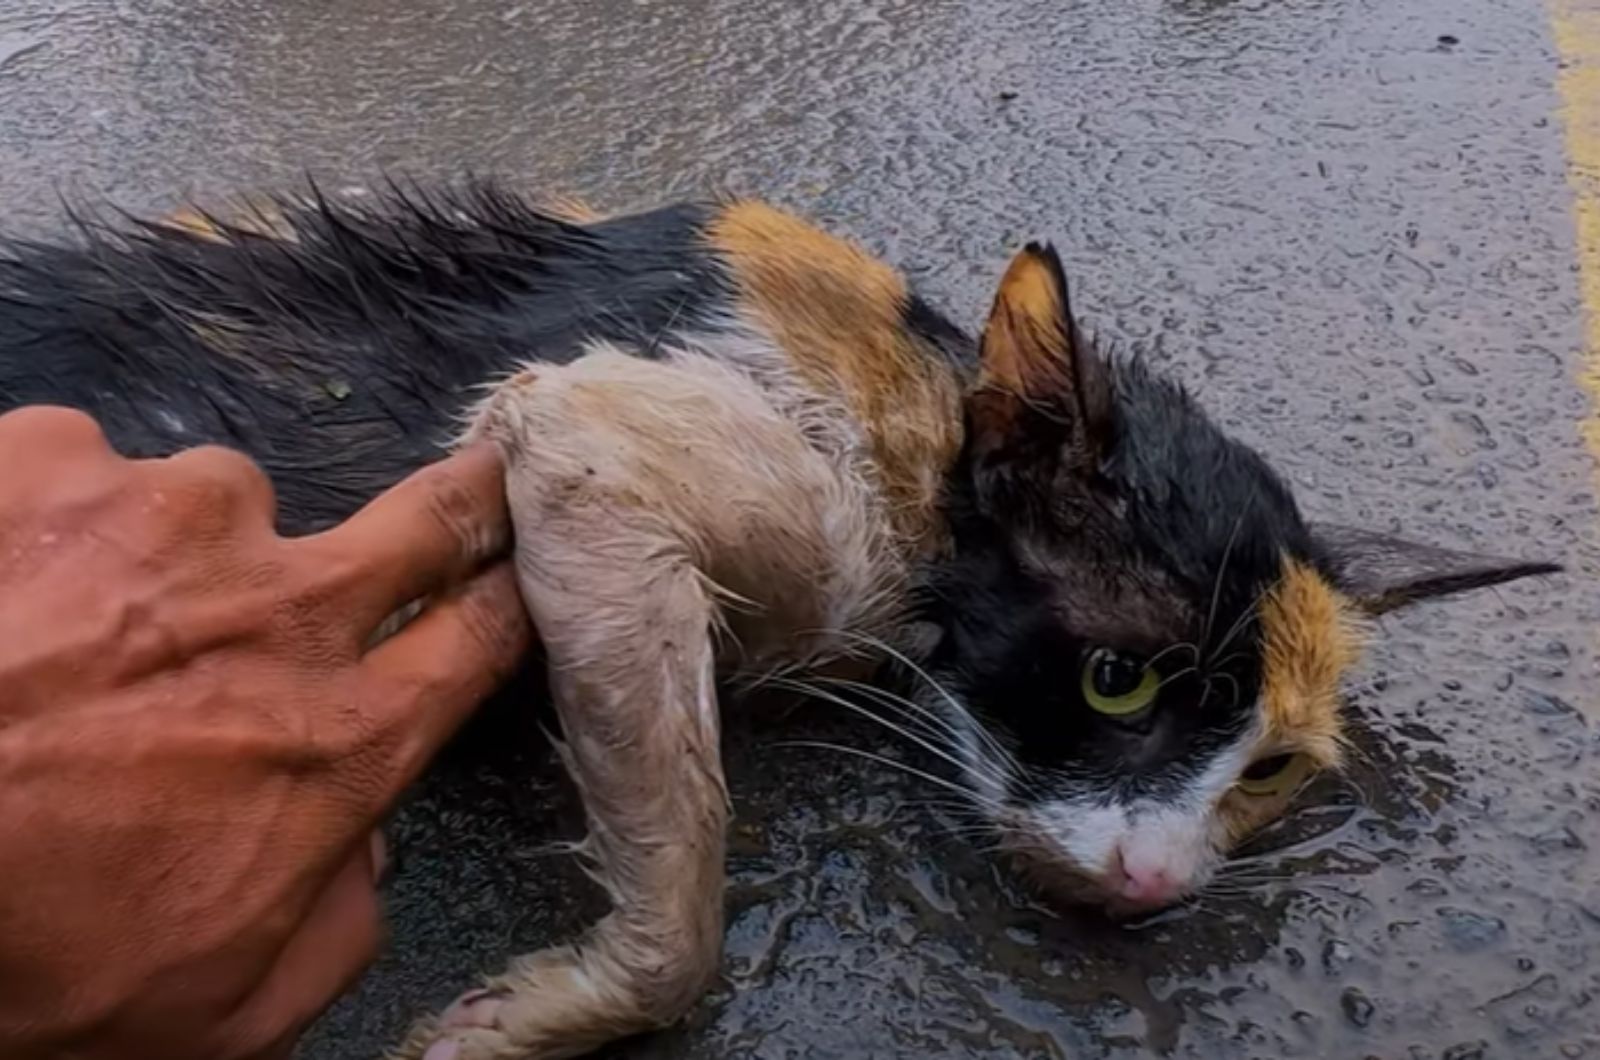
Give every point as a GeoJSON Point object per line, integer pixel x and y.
{"type": "Point", "coordinates": [1346, 224]}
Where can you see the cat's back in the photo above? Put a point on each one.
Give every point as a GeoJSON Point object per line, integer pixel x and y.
{"type": "Point", "coordinates": [851, 327]}
{"type": "Point", "coordinates": [338, 340]}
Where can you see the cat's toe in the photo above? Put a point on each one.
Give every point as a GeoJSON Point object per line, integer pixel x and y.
{"type": "Point", "coordinates": [475, 1008]}
{"type": "Point", "coordinates": [476, 1043]}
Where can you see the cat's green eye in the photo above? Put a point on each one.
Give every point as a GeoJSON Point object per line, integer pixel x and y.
{"type": "Point", "coordinates": [1273, 775]}
{"type": "Point", "coordinates": [1118, 685]}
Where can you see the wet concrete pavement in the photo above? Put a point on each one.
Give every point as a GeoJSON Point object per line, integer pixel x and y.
{"type": "Point", "coordinates": [1346, 224]}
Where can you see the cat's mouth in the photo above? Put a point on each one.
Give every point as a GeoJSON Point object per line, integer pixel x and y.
{"type": "Point", "coordinates": [1103, 892]}
{"type": "Point", "coordinates": [1121, 888]}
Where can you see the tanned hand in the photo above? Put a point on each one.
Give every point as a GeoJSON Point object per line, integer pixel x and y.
{"type": "Point", "coordinates": [197, 743]}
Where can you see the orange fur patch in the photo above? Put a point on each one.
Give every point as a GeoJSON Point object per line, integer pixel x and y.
{"type": "Point", "coordinates": [193, 222]}
{"type": "Point", "coordinates": [257, 216]}
{"type": "Point", "coordinates": [838, 314]}
{"type": "Point", "coordinates": [570, 209]}
{"type": "Point", "coordinates": [1025, 347]}
{"type": "Point", "coordinates": [248, 216]}
{"type": "Point", "coordinates": [1310, 638]}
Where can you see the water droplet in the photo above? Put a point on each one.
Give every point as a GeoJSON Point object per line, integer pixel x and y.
{"type": "Point", "coordinates": [1547, 705]}
{"type": "Point", "coordinates": [1468, 930]}
{"type": "Point", "coordinates": [1557, 839]}
{"type": "Point", "coordinates": [1427, 887]}
{"type": "Point", "coordinates": [1474, 423]}
{"type": "Point", "coordinates": [1357, 1009]}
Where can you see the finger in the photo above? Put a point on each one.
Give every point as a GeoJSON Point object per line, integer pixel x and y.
{"type": "Point", "coordinates": [333, 945]}
{"type": "Point", "coordinates": [428, 678]}
{"type": "Point", "coordinates": [431, 530]}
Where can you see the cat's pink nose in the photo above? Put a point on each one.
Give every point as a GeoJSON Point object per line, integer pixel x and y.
{"type": "Point", "coordinates": [1146, 883]}
{"type": "Point", "coordinates": [1151, 888]}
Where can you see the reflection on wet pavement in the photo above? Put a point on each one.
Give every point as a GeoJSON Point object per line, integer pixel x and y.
{"type": "Point", "coordinates": [1345, 224]}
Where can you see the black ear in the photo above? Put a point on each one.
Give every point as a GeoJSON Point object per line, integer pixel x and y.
{"type": "Point", "coordinates": [1040, 387]}
{"type": "Point", "coordinates": [1382, 573]}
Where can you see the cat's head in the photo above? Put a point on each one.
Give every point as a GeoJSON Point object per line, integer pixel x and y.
{"type": "Point", "coordinates": [1141, 638]}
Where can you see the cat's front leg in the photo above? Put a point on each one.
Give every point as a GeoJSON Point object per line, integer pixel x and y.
{"type": "Point", "coordinates": [671, 520]}
{"type": "Point", "coordinates": [627, 623]}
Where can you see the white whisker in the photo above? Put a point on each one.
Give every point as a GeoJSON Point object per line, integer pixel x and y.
{"type": "Point", "coordinates": [893, 727]}
{"type": "Point", "coordinates": [977, 797]}
{"type": "Point", "coordinates": [1222, 569]}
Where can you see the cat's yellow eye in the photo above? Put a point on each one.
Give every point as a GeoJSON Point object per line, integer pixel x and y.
{"type": "Point", "coordinates": [1118, 685]}
{"type": "Point", "coordinates": [1274, 775]}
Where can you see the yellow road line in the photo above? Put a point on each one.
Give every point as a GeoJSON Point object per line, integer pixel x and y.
{"type": "Point", "coordinates": [1576, 25]}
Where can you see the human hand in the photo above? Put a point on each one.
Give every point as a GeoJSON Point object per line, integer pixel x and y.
{"type": "Point", "coordinates": [196, 744]}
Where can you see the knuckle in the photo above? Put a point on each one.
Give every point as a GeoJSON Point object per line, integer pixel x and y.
{"type": "Point", "coordinates": [220, 464]}
{"type": "Point", "coordinates": [63, 427]}
{"type": "Point", "coordinates": [496, 620]}
{"type": "Point", "coordinates": [454, 509]}
{"type": "Point", "coordinates": [223, 474]}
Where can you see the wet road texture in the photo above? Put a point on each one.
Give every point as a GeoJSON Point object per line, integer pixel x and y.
{"type": "Point", "coordinates": [1349, 225]}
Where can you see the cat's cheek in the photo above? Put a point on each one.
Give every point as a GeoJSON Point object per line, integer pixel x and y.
{"type": "Point", "coordinates": [1240, 815]}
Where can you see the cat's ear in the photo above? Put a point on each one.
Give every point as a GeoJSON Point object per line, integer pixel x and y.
{"type": "Point", "coordinates": [1037, 369]}
{"type": "Point", "coordinates": [1382, 573]}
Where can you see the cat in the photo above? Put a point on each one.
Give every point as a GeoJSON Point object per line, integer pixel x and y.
{"type": "Point", "coordinates": [740, 449]}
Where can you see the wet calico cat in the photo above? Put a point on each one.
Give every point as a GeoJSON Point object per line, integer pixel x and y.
{"type": "Point", "coordinates": [736, 446]}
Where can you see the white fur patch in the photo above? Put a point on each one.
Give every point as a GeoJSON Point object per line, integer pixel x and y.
{"type": "Point", "coordinates": [1085, 834]}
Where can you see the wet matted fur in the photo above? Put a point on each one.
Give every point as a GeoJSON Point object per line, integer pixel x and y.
{"type": "Point", "coordinates": [739, 446]}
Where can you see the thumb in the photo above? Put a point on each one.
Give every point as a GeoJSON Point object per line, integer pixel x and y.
{"type": "Point", "coordinates": [328, 952]}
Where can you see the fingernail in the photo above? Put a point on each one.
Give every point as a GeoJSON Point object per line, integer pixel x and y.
{"type": "Point", "coordinates": [442, 1051]}
{"type": "Point", "coordinates": [380, 857]}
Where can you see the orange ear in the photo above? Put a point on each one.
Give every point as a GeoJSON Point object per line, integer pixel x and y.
{"type": "Point", "coordinates": [1027, 343]}
{"type": "Point", "coordinates": [1038, 380]}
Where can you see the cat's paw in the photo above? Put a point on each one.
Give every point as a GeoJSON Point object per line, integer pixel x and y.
{"type": "Point", "coordinates": [565, 1002]}
{"type": "Point", "coordinates": [467, 1030]}
{"type": "Point", "coordinates": [472, 1029]}
{"type": "Point", "coordinates": [485, 1043]}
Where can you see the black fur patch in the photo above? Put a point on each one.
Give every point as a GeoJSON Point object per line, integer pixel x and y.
{"type": "Point", "coordinates": [937, 330]}
{"type": "Point", "coordinates": [1206, 509]}
{"type": "Point", "coordinates": [339, 360]}
{"type": "Point", "coordinates": [1170, 541]}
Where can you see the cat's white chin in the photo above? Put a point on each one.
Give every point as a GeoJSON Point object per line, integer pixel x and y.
{"type": "Point", "coordinates": [1128, 861]}
{"type": "Point", "coordinates": [1108, 894]}
{"type": "Point", "coordinates": [1062, 882]}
